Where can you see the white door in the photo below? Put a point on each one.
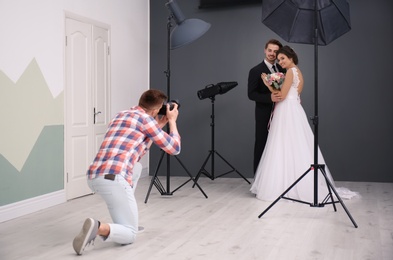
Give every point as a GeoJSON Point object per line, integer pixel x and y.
{"type": "Point", "coordinates": [100, 83]}
{"type": "Point", "coordinates": [86, 99]}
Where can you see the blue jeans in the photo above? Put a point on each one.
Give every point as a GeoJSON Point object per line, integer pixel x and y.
{"type": "Point", "coordinates": [120, 199]}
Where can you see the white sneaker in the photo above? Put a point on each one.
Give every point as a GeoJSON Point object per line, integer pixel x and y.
{"type": "Point", "coordinates": [86, 236]}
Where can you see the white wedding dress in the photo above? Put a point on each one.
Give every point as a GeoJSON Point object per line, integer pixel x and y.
{"type": "Point", "coordinates": [289, 152]}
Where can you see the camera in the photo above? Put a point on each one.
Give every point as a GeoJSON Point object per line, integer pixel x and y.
{"type": "Point", "coordinates": [171, 106]}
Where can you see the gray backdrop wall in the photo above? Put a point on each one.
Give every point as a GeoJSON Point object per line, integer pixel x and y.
{"type": "Point", "coordinates": [355, 89]}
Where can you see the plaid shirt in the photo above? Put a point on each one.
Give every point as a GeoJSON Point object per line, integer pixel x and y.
{"type": "Point", "coordinates": [126, 140]}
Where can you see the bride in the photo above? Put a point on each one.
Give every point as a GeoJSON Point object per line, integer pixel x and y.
{"type": "Point", "coordinates": [289, 149]}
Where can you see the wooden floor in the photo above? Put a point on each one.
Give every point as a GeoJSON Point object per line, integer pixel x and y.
{"type": "Point", "coordinates": [225, 226]}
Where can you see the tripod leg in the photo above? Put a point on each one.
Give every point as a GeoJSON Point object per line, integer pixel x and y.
{"type": "Point", "coordinates": [339, 199]}
{"type": "Point", "coordinates": [154, 179]}
{"type": "Point", "coordinates": [322, 169]}
{"type": "Point", "coordinates": [202, 170]}
{"type": "Point", "coordinates": [191, 178]}
{"type": "Point", "coordinates": [234, 169]}
{"type": "Point", "coordinates": [285, 192]}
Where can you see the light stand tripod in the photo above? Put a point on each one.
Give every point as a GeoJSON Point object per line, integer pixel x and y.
{"type": "Point", "coordinates": [316, 166]}
{"type": "Point", "coordinates": [212, 152]}
{"type": "Point", "coordinates": [155, 180]}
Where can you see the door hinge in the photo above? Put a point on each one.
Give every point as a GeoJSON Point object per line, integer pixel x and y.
{"type": "Point", "coordinates": [67, 177]}
{"type": "Point", "coordinates": [109, 50]}
{"type": "Point", "coordinates": [66, 40]}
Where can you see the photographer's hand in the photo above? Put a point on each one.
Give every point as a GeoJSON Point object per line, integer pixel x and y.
{"type": "Point", "coordinates": [172, 114]}
{"type": "Point", "coordinates": [161, 120]}
{"type": "Point", "coordinates": [172, 117]}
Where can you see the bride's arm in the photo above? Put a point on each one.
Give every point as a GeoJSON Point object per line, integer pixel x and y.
{"type": "Point", "coordinates": [286, 84]}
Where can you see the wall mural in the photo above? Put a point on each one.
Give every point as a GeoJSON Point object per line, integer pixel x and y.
{"type": "Point", "coordinates": [32, 137]}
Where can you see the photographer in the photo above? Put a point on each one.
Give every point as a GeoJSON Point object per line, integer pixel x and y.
{"type": "Point", "coordinates": [115, 170]}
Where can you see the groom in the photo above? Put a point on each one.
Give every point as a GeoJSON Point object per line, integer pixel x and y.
{"type": "Point", "coordinates": [258, 92]}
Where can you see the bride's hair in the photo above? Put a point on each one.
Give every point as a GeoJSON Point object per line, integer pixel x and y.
{"type": "Point", "coordinates": [289, 52]}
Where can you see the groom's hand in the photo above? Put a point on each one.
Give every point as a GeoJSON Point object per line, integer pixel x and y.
{"type": "Point", "coordinates": [276, 96]}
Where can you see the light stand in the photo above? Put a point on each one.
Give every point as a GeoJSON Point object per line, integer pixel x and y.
{"type": "Point", "coordinates": [184, 33]}
{"type": "Point", "coordinates": [316, 166]}
{"type": "Point", "coordinates": [220, 88]}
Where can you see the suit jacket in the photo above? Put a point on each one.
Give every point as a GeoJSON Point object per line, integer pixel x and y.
{"type": "Point", "coordinates": [258, 92]}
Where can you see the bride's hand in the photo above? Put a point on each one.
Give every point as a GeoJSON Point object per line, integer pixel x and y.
{"type": "Point", "coordinates": [263, 77]}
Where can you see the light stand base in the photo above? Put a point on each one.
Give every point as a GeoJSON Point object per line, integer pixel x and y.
{"type": "Point", "coordinates": [157, 183]}
{"type": "Point", "coordinates": [331, 188]}
{"type": "Point", "coordinates": [211, 175]}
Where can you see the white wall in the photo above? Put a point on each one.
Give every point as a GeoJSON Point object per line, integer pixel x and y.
{"type": "Point", "coordinates": [35, 29]}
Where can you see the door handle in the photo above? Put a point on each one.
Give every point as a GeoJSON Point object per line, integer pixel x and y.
{"type": "Point", "coordinates": [95, 114]}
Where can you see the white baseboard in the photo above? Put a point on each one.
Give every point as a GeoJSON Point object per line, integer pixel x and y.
{"type": "Point", "coordinates": [21, 208]}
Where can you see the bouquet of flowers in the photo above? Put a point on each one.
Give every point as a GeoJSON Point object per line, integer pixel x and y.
{"type": "Point", "coordinates": [275, 79]}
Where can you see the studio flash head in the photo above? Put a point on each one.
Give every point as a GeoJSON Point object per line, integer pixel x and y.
{"type": "Point", "coordinates": [171, 106]}
{"type": "Point", "coordinates": [212, 90]}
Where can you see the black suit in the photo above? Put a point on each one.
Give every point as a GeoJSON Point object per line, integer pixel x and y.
{"type": "Point", "coordinates": [258, 92]}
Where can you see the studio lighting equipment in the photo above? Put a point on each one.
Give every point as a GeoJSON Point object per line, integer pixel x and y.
{"type": "Point", "coordinates": [185, 31]}
{"type": "Point", "coordinates": [317, 22]}
{"type": "Point", "coordinates": [212, 90]}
